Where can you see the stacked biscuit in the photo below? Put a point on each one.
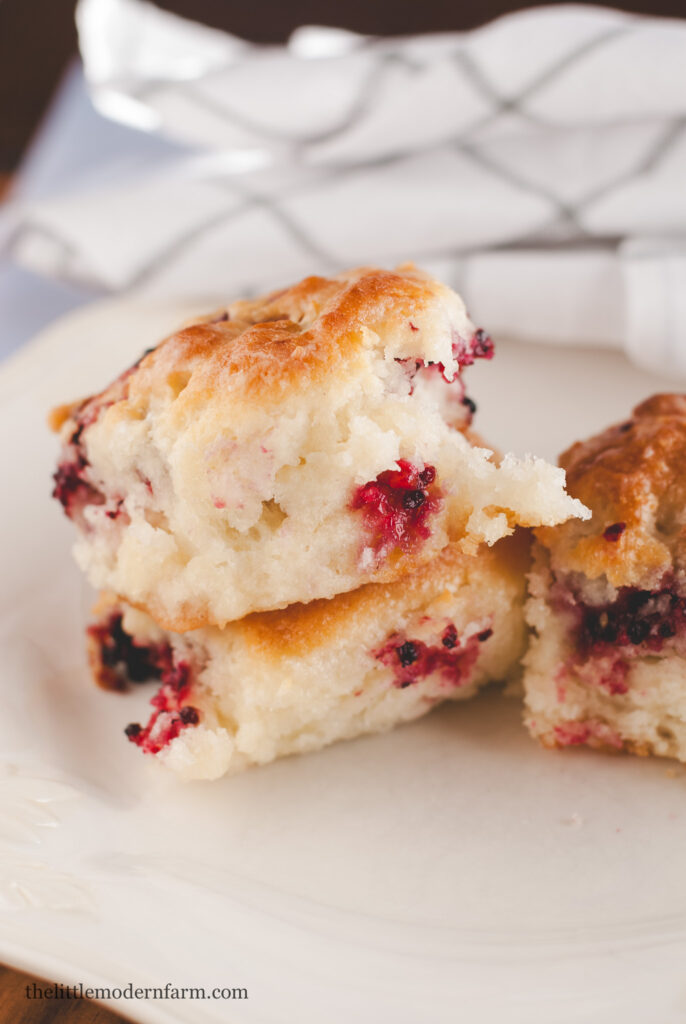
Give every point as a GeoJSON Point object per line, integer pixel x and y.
{"type": "Point", "coordinates": [606, 667]}
{"type": "Point", "coordinates": [291, 525]}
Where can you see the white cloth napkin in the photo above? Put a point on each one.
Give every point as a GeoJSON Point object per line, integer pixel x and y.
{"type": "Point", "coordinates": [538, 164]}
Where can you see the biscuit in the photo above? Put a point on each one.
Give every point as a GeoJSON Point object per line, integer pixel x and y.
{"type": "Point", "coordinates": [286, 682]}
{"type": "Point", "coordinates": [291, 448]}
{"type": "Point", "coordinates": [606, 667]}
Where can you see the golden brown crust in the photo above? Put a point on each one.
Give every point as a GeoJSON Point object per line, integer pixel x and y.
{"type": "Point", "coordinates": [632, 477]}
{"type": "Point", "coordinates": [58, 416]}
{"type": "Point", "coordinates": [399, 565]}
{"type": "Point", "coordinates": [264, 347]}
{"type": "Point", "coordinates": [301, 627]}
{"type": "Point", "coordinates": [627, 747]}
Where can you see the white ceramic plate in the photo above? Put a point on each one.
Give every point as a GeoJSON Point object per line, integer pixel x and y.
{"type": "Point", "coordinates": [450, 871]}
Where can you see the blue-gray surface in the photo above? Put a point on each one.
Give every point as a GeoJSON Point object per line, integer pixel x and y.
{"type": "Point", "coordinates": [74, 148]}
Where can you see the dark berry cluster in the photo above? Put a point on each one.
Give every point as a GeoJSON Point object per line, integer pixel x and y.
{"type": "Point", "coordinates": [646, 618]}
{"type": "Point", "coordinates": [397, 505]}
{"type": "Point", "coordinates": [118, 660]}
{"type": "Point", "coordinates": [414, 660]}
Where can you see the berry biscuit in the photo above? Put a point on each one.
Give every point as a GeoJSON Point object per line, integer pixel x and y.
{"type": "Point", "coordinates": [285, 682]}
{"type": "Point", "coordinates": [291, 448]}
{"type": "Point", "coordinates": [607, 664]}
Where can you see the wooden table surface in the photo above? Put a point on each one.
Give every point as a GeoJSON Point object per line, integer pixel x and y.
{"type": "Point", "coordinates": [15, 1008]}
{"type": "Point", "coordinates": [38, 38]}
